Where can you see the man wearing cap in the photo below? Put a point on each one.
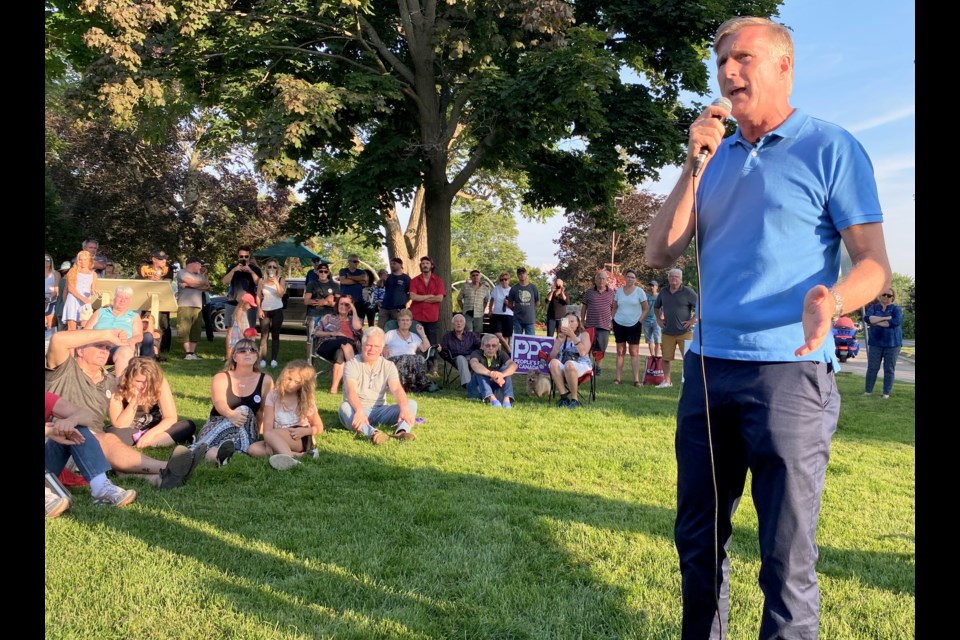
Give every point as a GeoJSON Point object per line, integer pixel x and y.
{"type": "Point", "coordinates": [158, 269]}
{"type": "Point", "coordinates": [426, 293]}
{"type": "Point", "coordinates": [676, 309]}
{"type": "Point", "coordinates": [523, 299]}
{"type": "Point", "coordinates": [92, 246]}
{"type": "Point", "coordinates": [396, 293]}
{"type": "Point", "coordinates": [312, 274]}
{"type": "Point", "coordinates": [651, 328]}
{"type": "Point", "coordinates": [191, 283]}
{"type": "Point", "coordinates": [241, 277]}
{"type": "Point", "coordinates": [320, 298]}
{"type": "Point", "coordinates": [473, 299]}
{"type": "Point", "coordinates": [74, 371]}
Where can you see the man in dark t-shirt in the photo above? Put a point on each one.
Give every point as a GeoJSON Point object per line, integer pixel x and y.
{"type": "Point", "coordinates": [396, 293]}
{"type": "Point", "coordinates": [241, 278]}
{"type": "Point", "coordinates": [320, 298]}
{"type": "Point", "coordinates": [493, 369]}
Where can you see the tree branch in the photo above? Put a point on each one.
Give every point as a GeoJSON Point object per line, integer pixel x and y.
{"type": "Point", "coordinates": [385, 52]}
{"type": "Point", "coordinates": [473, 162]}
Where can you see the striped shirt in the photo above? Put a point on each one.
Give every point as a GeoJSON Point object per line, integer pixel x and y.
{"type": "Point", "coordinates": [597, 305]}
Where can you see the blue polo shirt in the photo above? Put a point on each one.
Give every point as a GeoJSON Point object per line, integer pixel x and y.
{"type": "Point", "coordinates": [770, 222]}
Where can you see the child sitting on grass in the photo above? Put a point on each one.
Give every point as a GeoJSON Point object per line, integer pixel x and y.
{"type": "Point", "coordinates": [290, 417]}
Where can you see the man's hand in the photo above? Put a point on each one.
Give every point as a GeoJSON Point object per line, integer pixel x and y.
{"type": "Point", "coordinates": [818, 307]}
{"type": "Point", "coordinates": [359, 420]}
{"type": "Point", "coordinates": [407, 416]}
{"type": "Point", "coordinates": [64, 431]}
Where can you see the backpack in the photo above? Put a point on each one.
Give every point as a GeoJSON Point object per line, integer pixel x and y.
{"type": "Point", "coordinates": [654, 371]}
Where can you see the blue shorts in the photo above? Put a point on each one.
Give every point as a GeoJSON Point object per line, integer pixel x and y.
{"type": "Point", "coordinates": [651, 332]}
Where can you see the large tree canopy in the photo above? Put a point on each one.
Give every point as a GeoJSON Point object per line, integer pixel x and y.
{"type": "Point", "coordinates": [366, 102]}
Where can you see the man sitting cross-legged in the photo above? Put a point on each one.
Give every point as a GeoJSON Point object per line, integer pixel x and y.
{"type": "Point", "coordinates": [456, 346]}
{"type": "Point", "coordinates": [366, 380]}
{"type": "Point", "coordinates": [493, 369]}
{"type": "Point", "coordinates": [82, 380]}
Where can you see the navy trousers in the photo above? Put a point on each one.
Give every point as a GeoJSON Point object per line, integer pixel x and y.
{"type": "Point", "coordinates": [775, 419]}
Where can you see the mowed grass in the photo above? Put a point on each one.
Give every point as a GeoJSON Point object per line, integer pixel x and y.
{"type": "Point", "coordinates": [533, 523]}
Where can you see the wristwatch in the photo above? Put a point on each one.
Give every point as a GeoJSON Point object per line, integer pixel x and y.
{"type": "Point", "coordinates": [838, 310]}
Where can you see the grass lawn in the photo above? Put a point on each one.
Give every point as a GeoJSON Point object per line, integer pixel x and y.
{"type": "Point", "coordinates": [533, 523]}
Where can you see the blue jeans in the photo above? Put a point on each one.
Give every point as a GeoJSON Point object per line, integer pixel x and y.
{"type": "Point", "coordinates": [382, 414]}
{"type": "Point", "coordinates": [889, 357]}
{"type": "Point", "coordinates": [88, 456]}
{"type": "Point", "coordinates": [775, 419]}
{"type": "Point", "coordinates": [483, 387]}
{"type": "Point", "coordinates": [552, 326]}
{"type": "Point", "coordinates": [523, 329]}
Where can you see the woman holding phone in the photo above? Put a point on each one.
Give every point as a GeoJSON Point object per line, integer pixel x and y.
{"type": "Point", "coordinates": [270, 291]}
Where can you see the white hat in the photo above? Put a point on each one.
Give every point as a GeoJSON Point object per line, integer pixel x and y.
{"type": "Point", "coordinates": [65, 266]}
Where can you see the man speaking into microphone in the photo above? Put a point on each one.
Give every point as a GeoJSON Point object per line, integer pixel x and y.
{"type": "Point", "coordinates": [770, 208]}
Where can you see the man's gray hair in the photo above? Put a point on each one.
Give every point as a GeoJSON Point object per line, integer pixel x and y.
{"type": "Point", "coordinates": [459, 315]}
{"type": "Point", "coordinates": [675, 272]}
{"type": "Point", "coordinates": [489, 337]}
{"type": "Point", "coordinates": [371, 331]}
{"type": "Point", "coordinates": [781, 42]}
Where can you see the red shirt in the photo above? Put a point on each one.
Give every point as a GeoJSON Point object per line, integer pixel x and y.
{"type": "Point", "coordinates": [426, 311]}
{"type": "Point", "coordinates": [49, 399]}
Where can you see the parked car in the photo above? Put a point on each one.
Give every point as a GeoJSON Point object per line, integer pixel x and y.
{"type": "Point", "coordinates": [294, 314]}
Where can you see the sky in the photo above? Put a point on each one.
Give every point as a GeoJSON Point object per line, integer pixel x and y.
{"type": "Point", "coordinates": [854, 66]}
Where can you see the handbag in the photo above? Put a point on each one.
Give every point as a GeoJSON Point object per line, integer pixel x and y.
{"type": "Point", "coordinates": [654, 371]}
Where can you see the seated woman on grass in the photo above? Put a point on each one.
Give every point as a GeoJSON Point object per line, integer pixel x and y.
{"type": "Point", "coordinates": [236, 419]}
{"type": "Point", "coordinates": [290, 417]}
{"type": "Point", "coordinates": [142, 411]}
{"type": "Point", "coordinates": [569, 359]}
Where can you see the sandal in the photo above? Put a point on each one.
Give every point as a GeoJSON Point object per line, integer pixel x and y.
{"type": "Point", "coordinates": [616, 382]}
{"type": "Point", "coordinates": [637, 383]}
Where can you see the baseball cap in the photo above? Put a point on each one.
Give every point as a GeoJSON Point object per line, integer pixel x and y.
{"type": "Point", "coordinates": [160, 254]}
{"type": "Point", "coordinates": [193, 259]}
{"type": "Point", "coordinates": [654, 282]}
{"type": "Point", "coordinates": [475, 271]}
{"type": "Point", "coordinates": [316, 259]}
{"type": "Point", "coordinates": [65, 266]}
{"type": "Point", "coordinates": [521, 269]}
{"type": "Point", "coordinates": [248, 298]}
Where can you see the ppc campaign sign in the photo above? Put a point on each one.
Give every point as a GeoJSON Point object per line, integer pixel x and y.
{"type": "Point", "coordinates": [526, 353]}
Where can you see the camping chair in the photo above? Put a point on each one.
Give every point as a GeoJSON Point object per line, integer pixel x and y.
{"type": "Point", "coordinates": [588, 377]}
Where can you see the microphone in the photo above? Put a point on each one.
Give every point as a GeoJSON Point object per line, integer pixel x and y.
{"type": "Point", "coordinates": [702, 158]}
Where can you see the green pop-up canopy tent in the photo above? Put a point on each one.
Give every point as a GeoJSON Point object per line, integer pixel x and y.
{"type": "Point", "coordinates": [288, 248]}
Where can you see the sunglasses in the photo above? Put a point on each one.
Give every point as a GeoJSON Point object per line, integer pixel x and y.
{"type": "Point", "coordinates": [244, 257]}
{"type": "Point", "coordinates": [354, 262]}
{"type": "Point", "coordinates": [106, 346]}
{"type": "Point", "coordinates": [886, 295]}
{"type": "Point", "coordinates": [504, 279]}
{"type": "Point", "coordinates": [245, 350]}
{"type": "Point", "coordinates": [323, 271]}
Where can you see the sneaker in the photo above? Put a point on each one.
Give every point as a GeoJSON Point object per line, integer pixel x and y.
{"type": "Point", "coordinates": [596, 371]}
{"type": "Point", "coordinates": [495, 403]}
{"type": "Point", "coordinates": [868, 393]}
{"type": "Point", "coordinates": [225, 452]}
{"type": "Point", "coordinates": [507, 404]}
{"type": "Point", "coordinates": [563, 402]}
{"type": "Point", "coordinates": [405, 435]}
{"type": "Point", "coordinates": [886, 396]}
{"type": "Point", "coordinates": [263, 364]}
{"type": "Point", "coordinates": [664, 385]}
{"type": "Point", "coordinates": [116, 496]}
{"type": "Point", "coordinates": [181, 464]}
{"type": "Point", "coordinates": [274, 364]}
{"type": "Point", "coordinates": [379, 437]}
{"type": "Point", "coordinates": [314, 453]}
{"type": "Point", "coordinates": [53, 504]}
{"type": "Point", "coordinates": [191, 356]}
{"type": "Point", "coordinates": [574, 404]}
{"type": "Point", "coordinates": [282, 462]}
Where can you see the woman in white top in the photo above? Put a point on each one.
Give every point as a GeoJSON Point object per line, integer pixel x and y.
{"type": "Point", "coordinates": [404, 348]}
{"type": "Point", "coordinates": [501, 315]}
{"type": "Point", "coordinates": [270, 292]}
{"type": "Point", "coordinates": [50, 290]}
{"type": "Point", "coordinates": [570, 359]}
{"type": "Point", "coordinates": [629, 308]}
{"type": "Point", "coordinates": [290, 417]}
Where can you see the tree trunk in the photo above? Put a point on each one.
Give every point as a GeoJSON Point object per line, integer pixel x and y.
{"type": "Point", "coordinates": [438, 205]}
{"type": "Point", "coordinates": [411, 244]}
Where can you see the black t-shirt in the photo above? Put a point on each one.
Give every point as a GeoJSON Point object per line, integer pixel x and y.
{"type": "Point", "coordinates": [241, 283]}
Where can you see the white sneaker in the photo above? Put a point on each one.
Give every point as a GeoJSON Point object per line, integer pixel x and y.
{"type": "Point", "coordinates": [282, 462]}
{"type": "Point", "coordinates": [263, 364]}
{"type": "Point", "coordinates": [664, 385]}
{"type": "Point", "coordinates": [886, 396]}
{"type": "Point", "coordinates": [191, 356]}
{"type": "Point", "coordinates": [274, 364]}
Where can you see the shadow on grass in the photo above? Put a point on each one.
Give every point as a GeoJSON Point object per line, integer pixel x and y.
{"type": "Point", "coordinates": [363, 548]}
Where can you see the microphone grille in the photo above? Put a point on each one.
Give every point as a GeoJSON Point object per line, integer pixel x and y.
{"type": "Point", "coordinates": [723, 102]}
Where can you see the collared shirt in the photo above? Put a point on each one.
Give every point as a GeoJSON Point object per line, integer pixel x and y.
{"type": "Point", "coordinates": [372, 383]}
{"type": "Point", "coordinates": [463, 346]}
{"type": "Point", "coordinates": [891, 336]}
{"type": "Point", "coordinates": [597, 305]}
{"type": "Point", "coordinates": [475, 297]}
{"type": "Point", "coordinates": [426, 311]}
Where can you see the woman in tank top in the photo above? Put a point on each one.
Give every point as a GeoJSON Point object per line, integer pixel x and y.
{"type": "Point", "coordinates": [236, 419]}
{"type": "Point", "coordinates": [270, 292]}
